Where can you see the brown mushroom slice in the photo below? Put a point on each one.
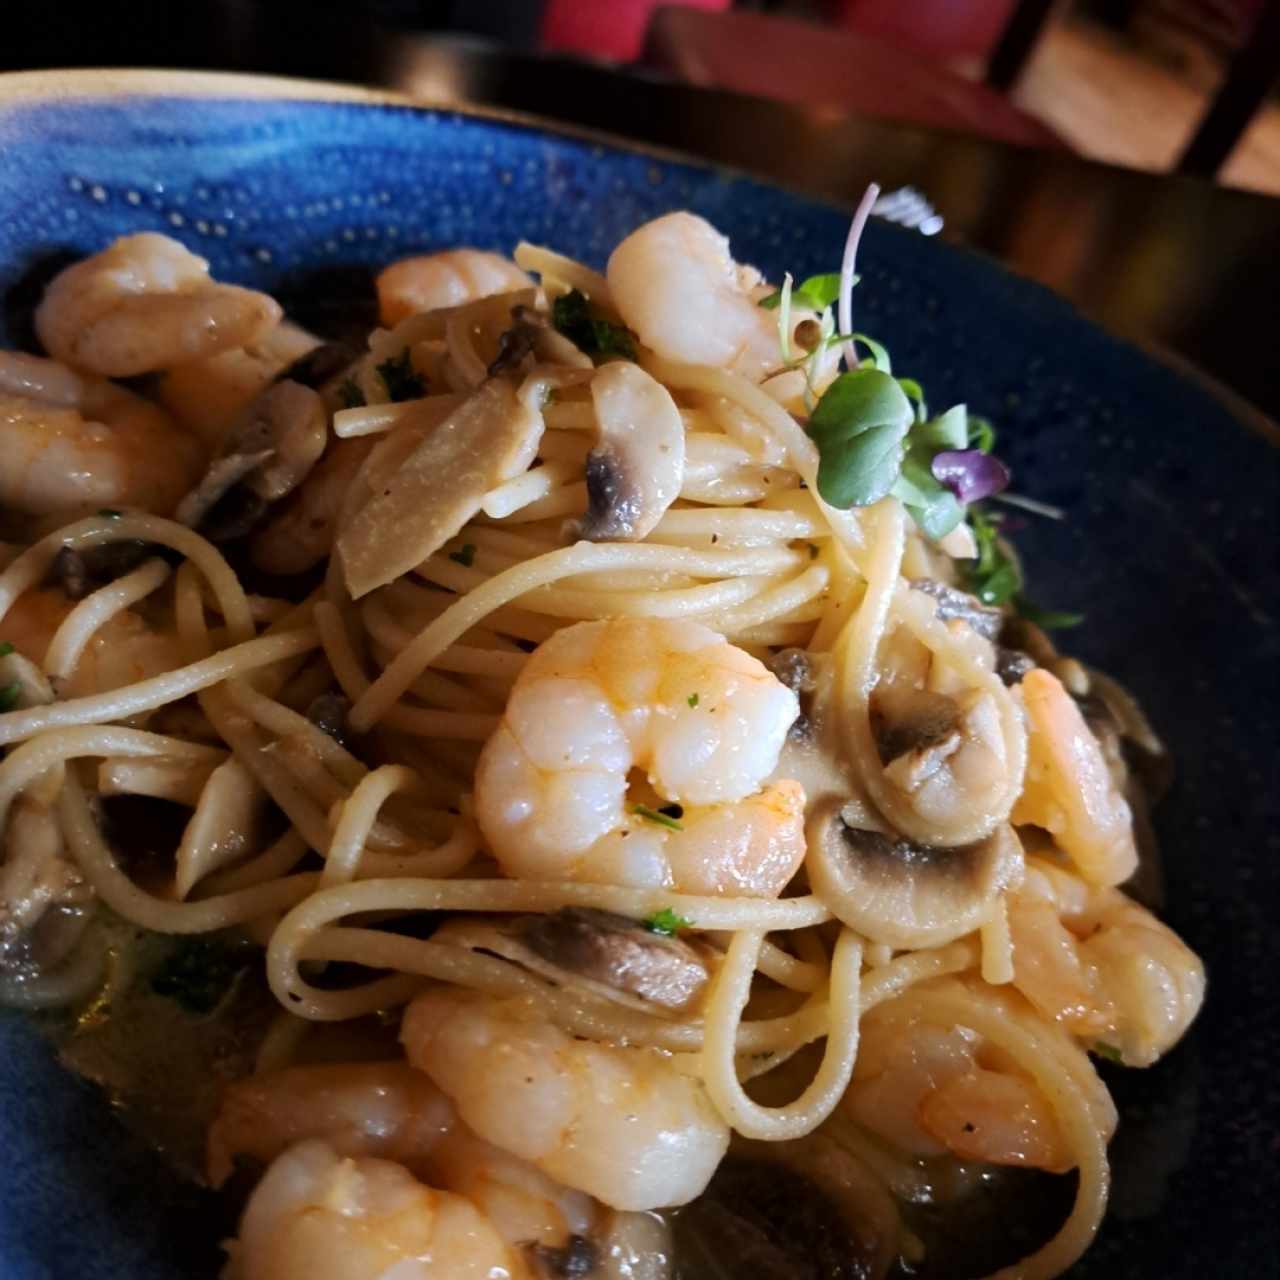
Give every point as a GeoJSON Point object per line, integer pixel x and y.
{"type": "Point", "coordinates": [265, 457]}
{"type": "Point", "coordinates": [610, 955]}
{"type": "Point", "coordinates": [956, 604]}
{"type": "Point", "coordinates": [903, 894]}
{"type": "Point", "coordinates": [532, 337]}
{"type": "Point", "coordinates": [636, 468]}
{"type": "Point", "coordinates": [491, 437]}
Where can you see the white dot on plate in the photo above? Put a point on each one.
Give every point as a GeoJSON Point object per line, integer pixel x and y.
{"type": "Point", "coordinates": [262, 255]}
{"type": "Point", "coordinates": [99, 193]}
{"type": "Point", "coordinates": [76, 184]}
{"type": "Point", "coordinates": [133, 197]}
{"type": "Point", "coordinates": [176, 219]}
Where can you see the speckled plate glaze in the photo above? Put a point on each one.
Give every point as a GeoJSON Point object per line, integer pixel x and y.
{"type": "Point", "coordinates": [1170, 548]}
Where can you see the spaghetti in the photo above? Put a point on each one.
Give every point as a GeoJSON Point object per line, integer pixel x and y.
{"type": "Point", "coordinates": [755, 806]}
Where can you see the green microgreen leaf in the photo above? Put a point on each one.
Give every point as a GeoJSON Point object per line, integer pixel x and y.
{"type": "Point", "coordinates": [693, 700]}
{"type": "Point", "coordinates": [982, 435]}
{"type": "Point", "coordinates": [666, 922]}
{"type": "Point", "coordinates": [1046, 619]}
{"type": "Point", "coordinates": [813, 294]}
{"type": "Point", "coordinates": [9, 695]}
{"type": "Point", "coordinates": [879, 358]}
{"type": "Point", "coordinates": [994, 576]}
{"type": "Point", "coordinates": [859, 426]}
{"type": "Point", "coordinates": [6, 648]}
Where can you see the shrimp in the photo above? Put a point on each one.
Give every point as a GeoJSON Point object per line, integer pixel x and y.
{"type": "Point", "coordinates": [930, 1089]}
{"type": "Point", "coordinates": [146, 303]}
{"type": "Point", "coordinates": [1069, 791]}
{"type": "Point", "coordinates": [675, 283]}
{"type": "Point", "coordinates": [319, 1216]}
{"type": "Point", "coordinates": [1101, 965]}
{"type": "Point", "coordinates": [622, 1124]}
{"type": "Point", "coordinates": [124, 650]}
{"type": "Point", "coordinates": [704, 719]}
{"type": "Point", "coordinates": [73, 442]}
{"type": "Point", "coordinates": [447, 279]}
{"type": "Point", "coordinates": [392, 1111]}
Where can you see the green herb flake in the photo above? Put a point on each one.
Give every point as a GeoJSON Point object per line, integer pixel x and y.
{"type": "Point", "coordinates": [198, 974]}
{"type": "Point", "coordinates": [982, 435]}
{"type": "Point", "coordinates": [402, 380]}
{"type": "Point", "coordinates": [9, 696]}
{"type": "Point", "coordinates": [859, 426]}
{"type": "Point", "coordinates": [667, 923]}
{"type": "Point", "coordinates": [350, 394]}
{"type": "Point", "coordinates": [598, 338]}
{"type": "Point", "coordinates": [656, 815]}
{"type": "Point", "coordinates": [1046, 619]}
{"type": "Point", "coordinates": [993, 577]}
{"type": "Point", "coordinates": [6, 648]}
{"type": "Point", "coordinates": [465, 556]}
{"type": "Point", "coordinates": [693, 699]}
{"type": "Point", "coordinates": [813, 294]}
{"type": "Point", "coordinates": [1108, 1052]}
{"type": "Point", "coordinates": [109, 513]}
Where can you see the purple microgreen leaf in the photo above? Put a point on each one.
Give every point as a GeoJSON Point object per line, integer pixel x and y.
{"type": "Point", "coordinates": [969, 473]}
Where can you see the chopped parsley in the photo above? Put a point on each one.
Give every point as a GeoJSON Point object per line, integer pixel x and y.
{"type": "Point", "coordinates": [656, 815]}
{"type": "Point", "coordinates": [1046, 619]}
{"type": "Point", "coordinates": [350, 394]}
{"type": "Point", "coordinates": [812, 294]}
{"type": "Point", "coordinates": [9, 695]}
{"type": "Point", "coordinates": [693, 699]}
{"type": "Point", "coordinates": [666, 922]}
{"type": "Point", "coordinates": [466, 555]}
{"type": "Point", "coordinates": [994, 577]}
{"type": "Point", "coordinates": [572, 316]}
{"type": "Point", "coordinates": [6, 648]}
{"type": "Point", "coordinates": [402, 379]}
{"type": "Point", "coordinates": [109, 512]}
{"type": "Point", "coordinates": [1108, 1052]}
{"type": "Point", "coordinates": [198, 974]}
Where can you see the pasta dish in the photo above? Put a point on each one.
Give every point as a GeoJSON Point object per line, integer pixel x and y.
{"type": "Point", "coordinates": [575, 771]}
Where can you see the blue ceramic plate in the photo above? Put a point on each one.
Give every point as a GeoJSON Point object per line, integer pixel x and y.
{"type": "Point", "coordinates": [1170, 548]}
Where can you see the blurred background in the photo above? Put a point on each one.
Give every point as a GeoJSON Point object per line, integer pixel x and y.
{"type": "Point", "coordinates": [1157, 85]}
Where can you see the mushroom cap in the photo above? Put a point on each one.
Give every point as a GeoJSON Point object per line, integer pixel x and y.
{"type": "Point", "coordinates": [903, 894]}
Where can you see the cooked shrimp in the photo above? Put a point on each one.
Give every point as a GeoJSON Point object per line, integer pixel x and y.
{"type": "Point", "coordinates": [622, 1124]}
{"type": "Point", "coordinates": [1068, 789]}
{"type": "Point", "coordinates": [395, 1112]}
{"type": "Point", "coordinates": [146, 303]}
{"type": "Point", "coordinates": [122, 651]}
{"type": "Point", "coordinates": [930, 1089]}
{"type": "Point", "coordinates": [705, 720]}
{"type": "Point", "coordinates": [1101, 965]}
{"type": "Point", "coordinates": [319, 1216]}
{"type": "Point", "coordinates": [72, 442]}
{"type": "Point", "coordinates": [675, 283]}
{"type": "Point", "coordinates": [446, 279]}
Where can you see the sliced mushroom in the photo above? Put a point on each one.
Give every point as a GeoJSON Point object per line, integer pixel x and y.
{"type": "Point", "coordinates": [533, 337]}
{"type": "Point", "coordinates": [266, 456]}
{"type": "Point", "coordinates": [319, 365]}
{"type": "Point", "coordinates": [491, 437]}
{"type": "Point", "coordinates": [1013, 664]}
{"type": "Point", "coordinates": [609, 955]}
{"type": "Point", "coordinates": [225, 826]}
{"type": "Point", "coordinates": [635, 470]}
{"type": "Point", "coordinates": [914, 723]}
{"type": "Point", "coordinates": [576, 1259]}
{"type": "Point", "coordinates": [80, 570]}
{"type": "Point", "coordinates": [904, 894]}
{"type": "Point", "coordinates": [954, 603]}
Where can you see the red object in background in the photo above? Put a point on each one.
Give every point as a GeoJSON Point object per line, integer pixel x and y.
{"type": "Point", "coordinates": [817, 66]}
{"type": "Point", "coordinates": [605, 28]}
{"type": "Point", "coordinates": [946, 30]}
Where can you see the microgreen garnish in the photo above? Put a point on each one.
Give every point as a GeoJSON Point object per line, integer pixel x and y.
{"type": "Point", "coordinates": [656, 815]}
{"type": "Point", "coordinates": [693, 699]}
{"type": "Point", "coordinates": [813, 294]}
{"type": "Point", "coordinates": [1101, 1049]}
{"type": "Point", "coordinates": [879, 358]}
{"type": "Point", "coordinates": [666, 922]}
{"type": "Point", "coordinates": [109, 513]}
{"type": "Point", "coordinates": [9, 696]}
{"type": "Point", "coordinates": [571, 314]}
{"type": "Point", "coordinates": [350, 394]}
{"type": "Point", "coordinates": [982, 435]}
{"type": "Point", "coordinates": [402, 380]}
{"type": "Point", "coordinates": [465, 555]}
{"type": "Point", "coordinates": [994, 576]}
{"type": "Point", "coordinates": [6, 648]}
{"type": "Point", "coordinates": [969, 473]}
{"type": "Point", "coordinates": [1046, 619]}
